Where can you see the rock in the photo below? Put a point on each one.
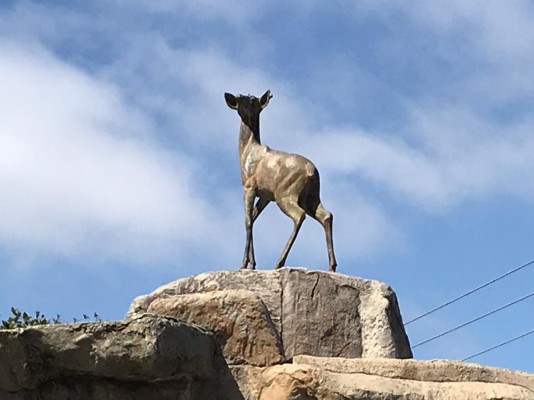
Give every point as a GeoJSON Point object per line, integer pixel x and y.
{"type": "Point", "coordinates": [314, 312]}
{"type": "Point", "coordinates": [239, 318]}
{"type": "Point", "coordinates": [263, 323]}
{"type": "Point", "coordinates": [419, 370]}
{"type": "Point", "coordinates": [146, 357]}
{"type": "Point", "coordinates": [316, 378]}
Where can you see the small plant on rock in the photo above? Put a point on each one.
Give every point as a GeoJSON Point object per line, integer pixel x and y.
{"type": "Point", "coordinates": [19, 319]}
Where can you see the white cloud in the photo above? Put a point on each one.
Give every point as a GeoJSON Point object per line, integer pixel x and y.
{"type": "Point", "coordinates": [451, 157]}
{"type": "Point", "coordinates": [385, 161]}
{"type": "Point", "coordinates": [77, 172]}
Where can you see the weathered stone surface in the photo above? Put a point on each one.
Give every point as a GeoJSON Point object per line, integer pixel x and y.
{"type": "Point", "coordinates": [146, 357]}
{"type": "Point", "coordinates": [421, 370]}
{"type": "Point", "coordinates": [316, 378]}
{"type": "Point", "coordinates": [239, 318]}
{"type": "Point", "coordinates": [266, 284]}
{"type": "Point", "coordinates": [315, 312]}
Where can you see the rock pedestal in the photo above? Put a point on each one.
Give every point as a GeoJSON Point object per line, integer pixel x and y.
{"type": "Point", "coordinates": [266, 335]}
{"type": "Point", "coordinates": [268, 317]}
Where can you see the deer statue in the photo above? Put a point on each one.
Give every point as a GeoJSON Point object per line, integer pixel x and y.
{"type": "Point", "coordinates": [290, 180]}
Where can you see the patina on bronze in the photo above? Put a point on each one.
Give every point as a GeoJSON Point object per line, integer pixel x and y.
{"type": "Point", "coordinates": [291, 180]}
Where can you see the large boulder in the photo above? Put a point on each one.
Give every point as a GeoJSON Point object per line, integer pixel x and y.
{"type": "Point", "coordinates": [239, 319]}
{"type": "Point", "coordinates": [146, 357]}
{"type": "Point", "coordinates": [315, 378]}
{"type": "Point", "coordinates": [308, 312]}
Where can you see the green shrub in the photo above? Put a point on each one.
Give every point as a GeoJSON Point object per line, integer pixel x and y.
{"type": "Point", "coordinates": [20, 319]}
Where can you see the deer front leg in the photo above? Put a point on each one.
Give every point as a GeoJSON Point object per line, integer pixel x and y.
{"type": "Point", "coordinates": [258, 208]}
{"type": "Point", "coordinates": [248, 256]}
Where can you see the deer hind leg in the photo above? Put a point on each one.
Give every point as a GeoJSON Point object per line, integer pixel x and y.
{"type": "Point", "coordinates": [325, 218]}
{"type": "Point", "coordinates": [248, 256]}
{"type": "Point", "coordinates": [291, 208]}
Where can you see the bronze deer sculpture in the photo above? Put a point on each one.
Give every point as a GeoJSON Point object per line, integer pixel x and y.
{"type": "Point", "coordinates": [291, 180]}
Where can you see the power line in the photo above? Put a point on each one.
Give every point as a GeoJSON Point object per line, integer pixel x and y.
{"type": "Point", "coordinates": [470, 292]}
{"type": "Point", "coordinates": [473, 320]}
{"type": "Point", "coordinates": [499, 345]}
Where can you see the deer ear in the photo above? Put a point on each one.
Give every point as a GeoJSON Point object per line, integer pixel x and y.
{"type": "Point", "coordinates": [231, 100]}
{"type": "Point", "coordinates": [264, 101]}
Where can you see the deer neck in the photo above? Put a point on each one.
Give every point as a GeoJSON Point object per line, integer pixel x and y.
{"type": "Point", "coordinates": [249, 135]}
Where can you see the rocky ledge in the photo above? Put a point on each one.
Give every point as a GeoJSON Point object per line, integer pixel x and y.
{"type": "Point", "coordinates": [148, 357]}
{"type": "Point", "coordinates": [245, 335]}
{"type": "Point", "coordinates": [319, 378]}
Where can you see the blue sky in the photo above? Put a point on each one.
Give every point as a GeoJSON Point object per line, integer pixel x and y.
{"type": "Point", "coordinates": [119, 169]}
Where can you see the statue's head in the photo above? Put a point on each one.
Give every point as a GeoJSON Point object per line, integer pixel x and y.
{"type": "Point", "coordinates": [248, 107]}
